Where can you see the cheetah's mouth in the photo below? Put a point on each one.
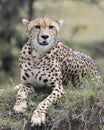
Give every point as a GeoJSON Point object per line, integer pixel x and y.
{"type": "Point", "coordinates": [44, 43]}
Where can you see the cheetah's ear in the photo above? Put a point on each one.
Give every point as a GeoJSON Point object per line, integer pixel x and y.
{"type": "Point", "coordinates": [60, 22]}
{"type": "Point", "coordinates": [25, 22]}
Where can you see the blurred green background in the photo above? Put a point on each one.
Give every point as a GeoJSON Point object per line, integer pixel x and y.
{"type": "Point", "coordinates": [83, 29]}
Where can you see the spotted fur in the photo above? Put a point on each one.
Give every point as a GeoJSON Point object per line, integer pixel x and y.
{"type": "Point", "coordinates": [46, 61]}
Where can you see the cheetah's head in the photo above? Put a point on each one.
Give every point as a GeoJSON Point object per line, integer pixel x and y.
{"type": "Point", "coordinates": [43, 31]}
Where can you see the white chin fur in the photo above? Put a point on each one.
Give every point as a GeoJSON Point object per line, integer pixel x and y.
{"type": "Point", "coordinates": [41, 48]}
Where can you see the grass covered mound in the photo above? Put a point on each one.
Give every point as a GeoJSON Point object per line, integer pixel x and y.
{"type": "Point", "coordinates": [80, 108]}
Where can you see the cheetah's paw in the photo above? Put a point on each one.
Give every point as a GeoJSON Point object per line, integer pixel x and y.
{"type": "Point", "coordinates": [20, 106]}
{"type": "Point", "coordinates": [38, 118]}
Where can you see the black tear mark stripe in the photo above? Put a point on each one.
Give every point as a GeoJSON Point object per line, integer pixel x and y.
{"type": "Point", "coordinates": [38, 35]}
{"type": "Point", "coordinates": [56, 31]}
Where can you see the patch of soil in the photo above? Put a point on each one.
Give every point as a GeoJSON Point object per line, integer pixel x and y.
{"type": "Point", "coordinates": [93, 120]}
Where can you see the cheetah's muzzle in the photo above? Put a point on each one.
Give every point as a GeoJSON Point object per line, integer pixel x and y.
{"type": "Point", "coordinates": [44, 43]}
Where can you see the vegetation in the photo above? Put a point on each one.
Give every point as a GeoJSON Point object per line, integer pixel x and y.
{"type": "Point", "coordinates": [83, 30]}
{"type": "Point", "coordinates": [79, 101]}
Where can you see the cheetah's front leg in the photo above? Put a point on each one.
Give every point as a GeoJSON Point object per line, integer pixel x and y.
{"type": "Point", "coordinates": [22, 94]}
{"type": "Point", "coordinates": [39, 114]}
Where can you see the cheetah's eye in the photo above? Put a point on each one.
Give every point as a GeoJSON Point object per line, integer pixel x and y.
{"type": "Point", "coordinates": [37, 26]}
{"type": "Point", "coordinates": [51, 27]}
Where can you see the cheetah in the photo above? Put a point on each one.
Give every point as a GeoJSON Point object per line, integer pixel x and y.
{"type": "Point", "coordinates": [47, 61]}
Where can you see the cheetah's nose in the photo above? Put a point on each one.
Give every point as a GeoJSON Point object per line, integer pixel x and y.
{"type": "Point", "coordinates": [44, 37]}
